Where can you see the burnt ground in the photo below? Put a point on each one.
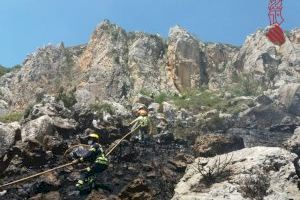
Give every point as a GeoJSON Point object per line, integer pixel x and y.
{"type": "Point", "coordinates": [137, 170]}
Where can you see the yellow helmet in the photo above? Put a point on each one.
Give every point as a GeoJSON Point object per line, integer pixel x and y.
{"type": "Point", "coordinates": [143, 112]}
{"type": "Point", "coordinates": [94, 136]}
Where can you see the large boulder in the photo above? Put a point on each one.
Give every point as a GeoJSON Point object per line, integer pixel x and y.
{"type": "Point", "coordinates": [289, 96]}
{"type": "Point", "coordinates": [48, 182]}
{"type": "Point", "coordinates": [169, 111]}
{"type": "Point", "coordinates": [8, 136]}
{"type": "Point", "coordinates": [118, 109]}
{"type": "Point", "coordinates": [38, 128]}
{"type": "Point", "coordinates": [65, 127]}
{"type": "Point", "coordinates": [258, 173]}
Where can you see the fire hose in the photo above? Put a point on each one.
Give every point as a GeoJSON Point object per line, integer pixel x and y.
{"type": "Point", "coordinates": [68, 164]}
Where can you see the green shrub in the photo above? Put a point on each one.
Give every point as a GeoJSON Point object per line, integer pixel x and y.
{"type": "Point", "coordinates": [3, 70]}
{"type": "Point", "coordinates": [27, 110]}
{"type": "Point", "coordinates": [161, 97]}
{"type": "Point", "coordinates": [99, 108]}
{"type": "Point", "coordinates": [146, 92]}
{"type": "Point", "coordinates": [195, 99]}
{"type": "Point", "coordinates": [11, 117]}
{"type": "Point", "coordinates": [246, 85]}
{"type": "Point", "coordinates": [68, 98]}
{"type": "Point", "coordinates": [16, 68]}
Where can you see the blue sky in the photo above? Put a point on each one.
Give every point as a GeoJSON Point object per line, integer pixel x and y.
{"type": "Point", "coordinates": [26, 25]}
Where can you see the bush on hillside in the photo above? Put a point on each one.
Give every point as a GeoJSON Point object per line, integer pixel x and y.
{"type": "Point", "coordinates": [11, 117]}
{"type": "Point", "coordinates": [68, 98]}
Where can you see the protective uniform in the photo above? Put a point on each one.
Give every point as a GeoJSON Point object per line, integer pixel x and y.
{"type": "Point", "coordinates": [99, 163]}
{"type": "Point", "coordinates": [144, 124]}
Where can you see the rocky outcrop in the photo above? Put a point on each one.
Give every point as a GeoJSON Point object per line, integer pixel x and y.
{"type": "Point", "coordinates": [43, 72]}
{"type": "Point", "coordinates": [147, 62]}
{"type": "Point", "coordinates": [219, 60]}
{"type": "Point", "coordinates": [186, 61]}
{"type": "Point", "coordinates": [271, 64]}
{"type": "Point", "coordinates": [259, 172]}
{"type": "Point", "coordinates": [104, 66]}
{"type": "Point", "coordinates": [115, 65]}
{"type": "Point", "coordinates": [37, 129]}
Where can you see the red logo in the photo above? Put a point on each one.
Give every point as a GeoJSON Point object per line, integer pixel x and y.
{"type": "Point", "coordinates": [275, 34]}
{"type": "Point", "coordinates": [275, 9]}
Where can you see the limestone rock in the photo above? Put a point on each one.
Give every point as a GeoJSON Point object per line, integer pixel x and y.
{"type": "Point", "coordinates": [154, 107]}
{"type": "Point", "coordinates": [104, 65]}
{"type": "Point", "coordinates": [147, 62]}
{"type": "Point", "coordinates": [219, 60]}
{"type": "Point", "coordinates": [67, 124]}
{"type": "Point", "coordinates": [8, 136]}
{"type": "Point", "coordinates": [169, 111]}
{"type": "Point", "coordinates": [274, 65]}
{"type": "Point", "coordinates": [119, 109]}
{"type": "Point", "coordinates": [289, 96]}
{"type": "Point", "coordinates": [38, 128]}
{"type": "Point", "coordinates": [276, 164]}
{"type": "Point", "coordinates": [186, 62]}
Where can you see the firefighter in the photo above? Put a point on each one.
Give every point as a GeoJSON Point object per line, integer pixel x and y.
{"type": "Point", "coordinates": [143, 123]}
{"type": "Point", "coordinates": [98, 161]}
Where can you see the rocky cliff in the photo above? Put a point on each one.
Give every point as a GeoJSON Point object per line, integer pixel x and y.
{"type": "Point", "coordinates": [204, 99]}
{"type": "Point", "coordinates": [116, 64]}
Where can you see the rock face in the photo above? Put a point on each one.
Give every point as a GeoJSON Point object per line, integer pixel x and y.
{"type": "Point", "coordinates": [115, 65]}
{"type": "Point", "coordinates": [43, 72]}
{"type": "Point", "coordinates": [219, 59]}
{"type": "Point", "coordinates": [146, 62]}
{"type": "Point", "coordinates": [104, 65]}
{"type": "Point", "coordinates": [279, 178]}
{"type": "Point", "coordinates": [271, 64]}
{"type": "Point", "coordinates": [186, 61]}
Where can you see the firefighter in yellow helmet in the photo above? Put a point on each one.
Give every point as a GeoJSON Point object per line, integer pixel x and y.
{"type": "Point", "coordinates": [143, 123]}
{"type": "Point", "coordinates": [98, 161]}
